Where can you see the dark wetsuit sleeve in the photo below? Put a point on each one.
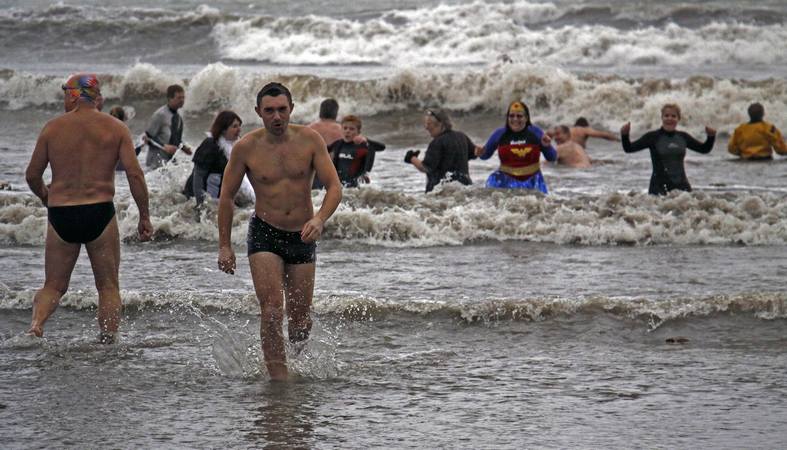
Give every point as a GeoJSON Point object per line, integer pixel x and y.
{"type": "Point", "coordinates": [646, 141]}
{"type": "Point", "coordinates": [470, 148]}
{"type": "Point", "coordinates": [492, 142]}
{"type": "Point", "coordinates": [199, 182]}
{"type": "Point", "coordinates": [373, 147]}
{"type": "Point", "coordinates": [433, 155]}
{"type": "Point", "coordinates": [549, 151]}
{"type": "Point", "coordinates": [333, 150]}
{"type": "Point", "coordinates": [697, 146]}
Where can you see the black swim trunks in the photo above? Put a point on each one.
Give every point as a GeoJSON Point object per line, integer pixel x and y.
{"type": "Point", "coordinates": [80, 224]}
{"type": "Point", "coordinates": [286, 244]}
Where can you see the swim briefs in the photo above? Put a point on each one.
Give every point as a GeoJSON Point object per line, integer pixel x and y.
{"type": "Point", "coordinates": [287, 245]}
{"type": "Point", "coordinates": [80, 224]}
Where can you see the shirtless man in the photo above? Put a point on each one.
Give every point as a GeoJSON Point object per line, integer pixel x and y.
{"type": "Point", "coordinates": [327, 126]}
{"type": "Point", "coordinates": [82, 147]}
{"type": "Point", "coordinates": [569, 153]}
{"type": "Point", "coordinates": [280, 161]}
{"type": "Point", "coordinates": [581, 131]}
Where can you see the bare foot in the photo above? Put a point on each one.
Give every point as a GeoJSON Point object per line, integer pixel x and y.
{"type": "Point", "coordinates": [36, 330]}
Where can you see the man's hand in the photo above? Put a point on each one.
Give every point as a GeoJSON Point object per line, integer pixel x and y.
{"type": "Point", "coordinates": [410, 155]}
{"type": "Point", "coordinates": [546, 141]}
{"type": "Point", "coordinates": [312, 230]}
{"type": "Point", "coordinates": [227, 260]}
{"type": "Point", "coordinates": [710, 131]}
{"type": "Point", "coordinates": [145, 229]}
{"type": "Point", "coordinates": [170, 149]}
{"type": "Point", "coordinates": [478, 150]}
{"type": "Point", "coordinates": [626, 129]}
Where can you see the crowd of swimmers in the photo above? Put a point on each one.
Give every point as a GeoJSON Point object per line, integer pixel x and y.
{"type": "Point", "coordinates": [84, 148]}
{"type": "Point", "coordinates": [519, 145]}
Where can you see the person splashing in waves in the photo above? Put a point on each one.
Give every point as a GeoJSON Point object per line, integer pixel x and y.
{"type": "Point", "coordinates": [519, 145]}
{"type": "Point", "coordinates": [280, 160]}
{"type": "Point", "coordinates": [582, 131]}
{"type": "Point", "coordinates": [569, 153]}
{"type": "Point", "coordinates": [667, 148]}
{"type": "Point", "coordinates": [82, 148]}
{"type": "Point", "coordinates": [353, 155]}
{"type": "Point", "coordinates": [758, 139]}
{"type": "Point", "coordinates": [447, 156]}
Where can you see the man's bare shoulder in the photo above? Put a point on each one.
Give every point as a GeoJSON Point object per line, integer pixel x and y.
{"type": "Point", "coordinates": [307, 135]}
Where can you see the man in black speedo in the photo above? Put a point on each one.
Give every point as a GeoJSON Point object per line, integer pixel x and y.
{"type": "Point", "coordinates": [667, 150]}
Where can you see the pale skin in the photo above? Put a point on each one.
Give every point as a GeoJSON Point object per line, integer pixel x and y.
{"type": "Point", "coordinates": [669, 122]}
{"type": "Point", "coordinates": [569, 153]}
{"type": "Point", "coordinates": [82, 147]}
{"type": "Point", "coordinates": [580, 135]}
{"type": "Point", "coordinates": [329, 129]}
{"type": "Point", "coordinates": [280, 161]}
{"type": "Point", "coordinates": [352, 133]}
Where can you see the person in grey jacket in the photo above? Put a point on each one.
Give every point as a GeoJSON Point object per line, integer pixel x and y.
{"type": "Point", "coordinates": [165, 130]}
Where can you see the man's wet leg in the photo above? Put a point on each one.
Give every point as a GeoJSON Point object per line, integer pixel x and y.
{"type": "Point", "coordinates": [59, 260]}
{"type": "Point", "coordinates": [104, 254]}
{"type": "Point", "coordinates": [299, 284]}
{"type": "Point", "coordinates": [267, 272]}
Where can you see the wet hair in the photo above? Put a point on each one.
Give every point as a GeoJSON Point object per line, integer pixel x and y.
{"type": "Point", "coordinates": [527, 113]}
{"type": "Point", "coordinates": [329, 109]}
{"type": "Point", "coordinates": [441, 117]}
{"type": "Point", "coordinates": [223, 121]}
{"type": "Point", "coordinates": [274, 89]}
{"type": "Point", "coordinates": [118, 112]}
{"type": "Point", "coordinates": [174, 90]}
{"type": "Point", "coordinates": [581, 122]}
{"type": "Point", "coordinates": [352, 119]}
{"type": "Point", "coordinates": [756, 112]}
{"type": "Point", "coordinates": [672, 106]}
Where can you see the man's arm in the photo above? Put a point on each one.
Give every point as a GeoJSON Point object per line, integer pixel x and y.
{"type": "Point", "coordinates": [326, 173]}
{"type": "Point", "coordinates": [136, 183]}
{"type": "Point", "coordinates": [230, 183]}
{"type": "Point", "coordinates": [777, 141]}
{"type": "Point", "coordinates": [35, 169]}
{"type": "Point", "coordinates": [592, 132]}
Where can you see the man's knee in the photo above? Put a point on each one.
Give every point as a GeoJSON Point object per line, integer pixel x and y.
{"type": "Point", "coordinates": [271, 315]}
{"type": "Point", "coordinates": [56, 287]}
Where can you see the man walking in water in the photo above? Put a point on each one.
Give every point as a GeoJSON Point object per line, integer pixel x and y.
{"type": "Point", "coordinates": [280, 161]}
{"type": "Point", "coordinates": [82, 147]}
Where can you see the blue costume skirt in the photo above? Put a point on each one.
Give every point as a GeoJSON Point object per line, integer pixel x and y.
{"type": "Point", "coordinates": [499, 179]}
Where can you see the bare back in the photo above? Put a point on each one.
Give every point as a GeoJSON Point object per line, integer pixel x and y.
{"type": "Point", "coordinates": [82, 148]}
{"type": "Point", "coordinates": [572, 154]}
{"type": "Point", "coordinates": [281, 173]}
{"type": "Point", "coordinates": [330, 131]}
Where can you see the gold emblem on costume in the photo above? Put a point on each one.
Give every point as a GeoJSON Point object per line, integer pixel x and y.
{"type": "Point", "coordinates": [516, 107]}
{"type": "Point", "coordinates": [520, 151]}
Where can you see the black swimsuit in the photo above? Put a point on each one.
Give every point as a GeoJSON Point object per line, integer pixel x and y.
{"type": "Point", "coordinates": [286, 244]}
{"type": "Point", "coordinates": [80, 224]}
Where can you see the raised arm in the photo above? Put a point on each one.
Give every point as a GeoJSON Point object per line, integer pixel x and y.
{"type": "Point", "coordinates": [547, 149]}
{"type": "Point", "coordinates": [592, 132]}
{"type": "Point", "coordinates": [701, 147]}
{"type": "Point", "coordinates": [646, 141]}
{"type": "Point", "coordinates": [491, 143]}
{"type": "Point", "coordinates": [137, 185]}
{"type": "Point", "coordinates": [35, 169]}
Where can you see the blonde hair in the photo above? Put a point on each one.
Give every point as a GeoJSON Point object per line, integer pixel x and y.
{"type": "Point", "coordinates": [672, 106]}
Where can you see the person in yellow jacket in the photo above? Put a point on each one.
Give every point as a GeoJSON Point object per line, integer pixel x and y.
{"type": "Point", "coordinates": [757, 139]}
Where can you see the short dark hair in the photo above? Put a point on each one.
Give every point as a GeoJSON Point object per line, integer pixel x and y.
{"type": "Point", "coordinates": [581, 122]}
{"type": "Point", "coordinates": [273, 89]}
{"type": "Point", "coordinates": [223, 121]}
{"type": "Point", "coordinates": [118, 112]}
{"type": "Point", "coordinates": [564, 129]}
{"type": "Point", "coordinates": [329, 109]}
{"type": "Point", "coordinates": [756, 112]}
{"type": "Point", "coordinates": [173, 90]}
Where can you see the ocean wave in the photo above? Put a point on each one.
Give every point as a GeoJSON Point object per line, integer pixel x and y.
{"type": "Point", "coordinates": [555, 95]}
{"type": "Point", "coordinates": [456, 215]}
{"type": "Point", "coordinates": [652, 312]}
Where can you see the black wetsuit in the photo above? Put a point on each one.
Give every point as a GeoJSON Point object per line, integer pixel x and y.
{"type": "Point", "coordinates": [446, 157]}
{"type": "Point", "coordinates": [667, 152]}
{"type": "Point", "coordinates": [352, 160]}
{"type": "Point", "coordinates": [208, 158]}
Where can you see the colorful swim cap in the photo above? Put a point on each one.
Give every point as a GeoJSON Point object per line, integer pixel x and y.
{"type": "Point", "coordinates": [82, 85]}
{"type": "Point", "coordinates": [517, 107]}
